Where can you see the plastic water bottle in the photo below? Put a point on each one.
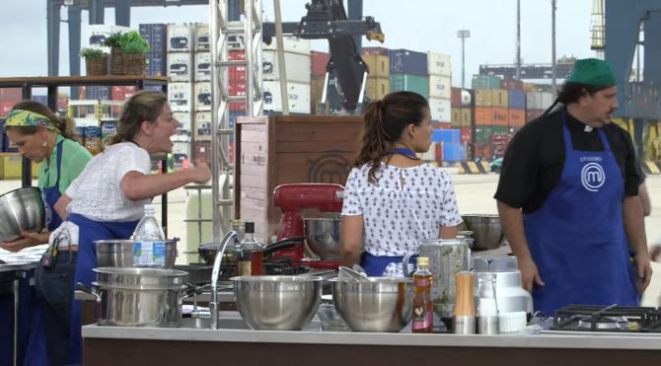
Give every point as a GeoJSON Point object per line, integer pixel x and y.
{"type": "Point", "coordinates": [149, 241]}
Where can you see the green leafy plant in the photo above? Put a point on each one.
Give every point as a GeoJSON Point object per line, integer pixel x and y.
{"type": "Point", "coordinates": [113, 39]}
{"type": "Point", "coordinates": [92, 53]}
{"type": "Point", "coordinates": [133, 43]}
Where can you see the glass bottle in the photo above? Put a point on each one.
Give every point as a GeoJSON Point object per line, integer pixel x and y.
{"type": "Point", "coordinates": [423, 310]}
{"type": "Point", "coordinates": [149, 241]}
{"type": "Point", "coordinates": [249, 253]}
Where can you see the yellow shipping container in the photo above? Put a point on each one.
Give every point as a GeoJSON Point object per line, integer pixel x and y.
{"type": "Point", "coordinates": [456, 117]}
{"type": "Point", "coordinates": [483, 97]}
{"type": "Point", "coordinates": [11, 164]}
{"type": "Point", "coordinates": [316, 91]}
{"type": "Point", "coordinates": [501, 98]}
{"type": "Point", "coordinates": [377, 88]}
{"type": "Point", "coordinates": [466, 117]}
{"type": "Point", "coordinates": [378, 65]}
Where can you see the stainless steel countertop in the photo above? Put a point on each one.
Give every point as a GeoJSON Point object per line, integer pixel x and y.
{"type": "Point", "coordinates": [313, 335]}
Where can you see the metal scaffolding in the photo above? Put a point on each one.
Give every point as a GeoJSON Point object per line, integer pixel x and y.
{"type": "Point", "coordinates": [221, 29]}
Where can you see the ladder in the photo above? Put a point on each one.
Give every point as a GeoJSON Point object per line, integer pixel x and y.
{"type": "Point", "coordinates": [220, 30]}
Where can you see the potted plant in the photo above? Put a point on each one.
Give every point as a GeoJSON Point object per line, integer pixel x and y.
{"type": "Point", "coordinates": [134, 49]}
{"type": "Point", "coordinates": [96, 61]}
{"type": "Point", "coordinates": [116, 54]}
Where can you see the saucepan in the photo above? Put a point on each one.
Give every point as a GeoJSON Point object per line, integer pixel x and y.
{"type": "Point", "coordinates": [208, 250]}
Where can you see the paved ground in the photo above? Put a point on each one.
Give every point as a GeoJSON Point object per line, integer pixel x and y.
{"type": "Point", "coordinates": [475, 195]}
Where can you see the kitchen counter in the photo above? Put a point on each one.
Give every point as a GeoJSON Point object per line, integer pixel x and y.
{"type": "Point", "coordinates": [249, 347]}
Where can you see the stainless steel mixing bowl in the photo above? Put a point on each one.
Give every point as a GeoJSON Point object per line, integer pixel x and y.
{"type": "Point", "coordinates": [21, 210]}
{"type": "Point", "coordinates": [277, 302]}
{"type": "Point", "coordinates": [119, 253]}
{"type": "Point", "coordinates": [487, 231]}
{"type": "Point", "coordinates": [323, 236]}
{"type": "Point", "coordinates": [381, 305]}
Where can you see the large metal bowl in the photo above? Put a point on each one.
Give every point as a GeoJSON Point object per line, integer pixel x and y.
{"type": "Point", "coordinates": [119, 253]}
{"type": "Point", "coordinates": [21, 210]}
{"type": "Point", "coordinates": [487, 231]}
{"type": "Point", "coordinates": [323, 237]}
{"type": "Point", "coordinates": [277, 302]}
{"type": "Point", "coordinates": [381, 305]}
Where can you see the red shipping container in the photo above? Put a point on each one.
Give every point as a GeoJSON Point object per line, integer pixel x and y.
{"type": "Point", "coordinates": [122, 93]}
{"type": "Point", "coordinates": [533, 114]}
{"type": "Point", "coordinates": [441, 125]}
{"type": "Point", "coordinates": [202, 151]}
{"type": "Point", "coordinates": [456, 98]}
{"type": "Point", "coordinates": [517, 118]}
{"type": "Point", "coordinates": [11, 94]}
{"type": "Point", "coordinates": [318, 63]}
{"type": "Point", "coordinates": [500, 117]}
{"type": "Point", "coordinates": [238, 106]}
{"type": "Point", "coordinates": [5, 108]}
{"type": "Point", "coordinates": [466, 135]}
{"type": "Point", "coordinates": [237, 89]}
{"type": "Point", "coordinates": [510, 84]}
{"type": "Point", "coordinates": [378, 51]}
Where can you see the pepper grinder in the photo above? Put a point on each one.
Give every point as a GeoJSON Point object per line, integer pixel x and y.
{"type": "Point", "coordinates": [464, 307]}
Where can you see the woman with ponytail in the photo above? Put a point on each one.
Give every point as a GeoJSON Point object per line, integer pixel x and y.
{"type": "Point", "coordinates": [394, 201]}
{"type": "Point", "coordinates": [45, 138]}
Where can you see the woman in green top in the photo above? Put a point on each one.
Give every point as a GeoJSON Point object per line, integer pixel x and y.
{"type": "Point", "coordinates": [43, 137]}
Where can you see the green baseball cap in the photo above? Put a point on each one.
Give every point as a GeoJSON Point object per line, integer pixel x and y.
{"type": "Point", "coordinates": [593, 71]}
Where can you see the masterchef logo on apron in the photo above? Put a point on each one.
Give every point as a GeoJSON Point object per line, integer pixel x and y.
{"type": "Point", "coordinates": [593, 176]}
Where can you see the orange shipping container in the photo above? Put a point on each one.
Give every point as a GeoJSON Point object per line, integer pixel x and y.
{"type": "Point", "coordinates": [483, 116]}
{"type": "Point", "coordinates": [500, 117]}
{"type": "Point", "coordinates": [517, 118]}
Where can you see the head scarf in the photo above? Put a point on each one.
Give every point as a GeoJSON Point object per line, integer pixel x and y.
{"type": "Point", "coordinates": [593, 71]}
{"type": "Point", "coordinates": [24, 118]}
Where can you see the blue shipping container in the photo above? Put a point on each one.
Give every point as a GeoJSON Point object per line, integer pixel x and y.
{"type": "Point", "coordinates": [97, 92]}
{"type": "Point", "coordinates": [453, 152]}
{"type": "Point", "coordinates": [156, 64]}
{"type": "Point", "coordinates": [156, 35]}
{"type": "Point", "coordinates": [408, 62]}
{"type": "Point", "coordinates": [450, 136]}
{"type": "Point", "coordinates": [518, 99]}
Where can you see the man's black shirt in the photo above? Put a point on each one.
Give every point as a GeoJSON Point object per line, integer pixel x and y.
{"type": "Point", "coordinates": [535, 158]}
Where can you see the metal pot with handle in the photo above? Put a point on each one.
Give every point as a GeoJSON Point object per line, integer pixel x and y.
{"type": "Point", "coordinates": [447, 257]}
{"type": "Point", "coordinates": [139, 297]}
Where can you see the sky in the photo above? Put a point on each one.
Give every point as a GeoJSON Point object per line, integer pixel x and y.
{"type": "Point", "coordinates": [419, 25]}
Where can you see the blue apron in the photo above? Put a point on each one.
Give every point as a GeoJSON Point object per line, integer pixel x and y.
{"type": "Point", "coordinates": [52, 194]}
{"type": "Point", "coordinates": [375, 265]}
{"type": "Point", "coordinates": [89, 231]}
{"type": "Point", "coordinates": [577, 237]}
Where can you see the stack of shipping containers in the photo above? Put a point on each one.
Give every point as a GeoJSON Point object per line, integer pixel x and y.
{"type": "Point", "coordinates": [447, 145]}
{"type": "Point", "coordinates": [318, 62]}
{"type": "Point", "coordinates": [180, 70]}
{"type": "Point", "coordinates": [408, 72]}
{"type": "Point", "coordinates": [537, 102]}
{"type": "Point", "coordinates": [378, 80]}
{"type": "Point", "coordinates": [297, 72]}
{"type": "Point", "coordinates": [491, 113]}
{"type": "Point", "coordinates": [462, 116]}
{"type": "Point", "coordinates": [201, 113]}
{"type": "Point", "coordinates": [8, 97]}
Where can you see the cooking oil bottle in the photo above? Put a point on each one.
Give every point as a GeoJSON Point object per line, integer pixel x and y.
{"type": "Point", "coordinates": [249, 256]}
{"type": "Point", "coordinates": [423, 310]}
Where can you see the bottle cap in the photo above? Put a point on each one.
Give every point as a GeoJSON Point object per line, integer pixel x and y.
{"type": "Point", "coordinates": [149, 208]}
{"type": "Point", "coordinates": [250, 227]}
{"type": "Point", "coordinates": [423, 261]}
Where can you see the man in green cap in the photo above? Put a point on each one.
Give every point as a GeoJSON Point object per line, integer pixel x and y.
{"type": "Point", "coordinates": [568, 199]}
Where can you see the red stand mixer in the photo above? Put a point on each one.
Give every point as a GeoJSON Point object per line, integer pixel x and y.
{"type": "Point", "coordinates": [291, 199]}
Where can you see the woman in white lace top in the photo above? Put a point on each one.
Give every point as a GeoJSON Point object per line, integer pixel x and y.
{"type": "Point", "coordinates": [393, 200]}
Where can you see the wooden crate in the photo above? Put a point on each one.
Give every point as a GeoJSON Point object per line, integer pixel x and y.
{"type": "Point", "coordinates": [273, 150]}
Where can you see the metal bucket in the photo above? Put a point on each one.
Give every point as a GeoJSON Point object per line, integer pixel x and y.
{"type": "Point", "coordinates": [119, 253]}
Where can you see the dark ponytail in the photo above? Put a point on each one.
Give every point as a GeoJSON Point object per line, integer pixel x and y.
{"type": "Point", "coordinates": [64, 125]}
{"type": "Point", "coordinates": [383, 124]}
{"type": "Point", "coordinates": [572, 93]}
